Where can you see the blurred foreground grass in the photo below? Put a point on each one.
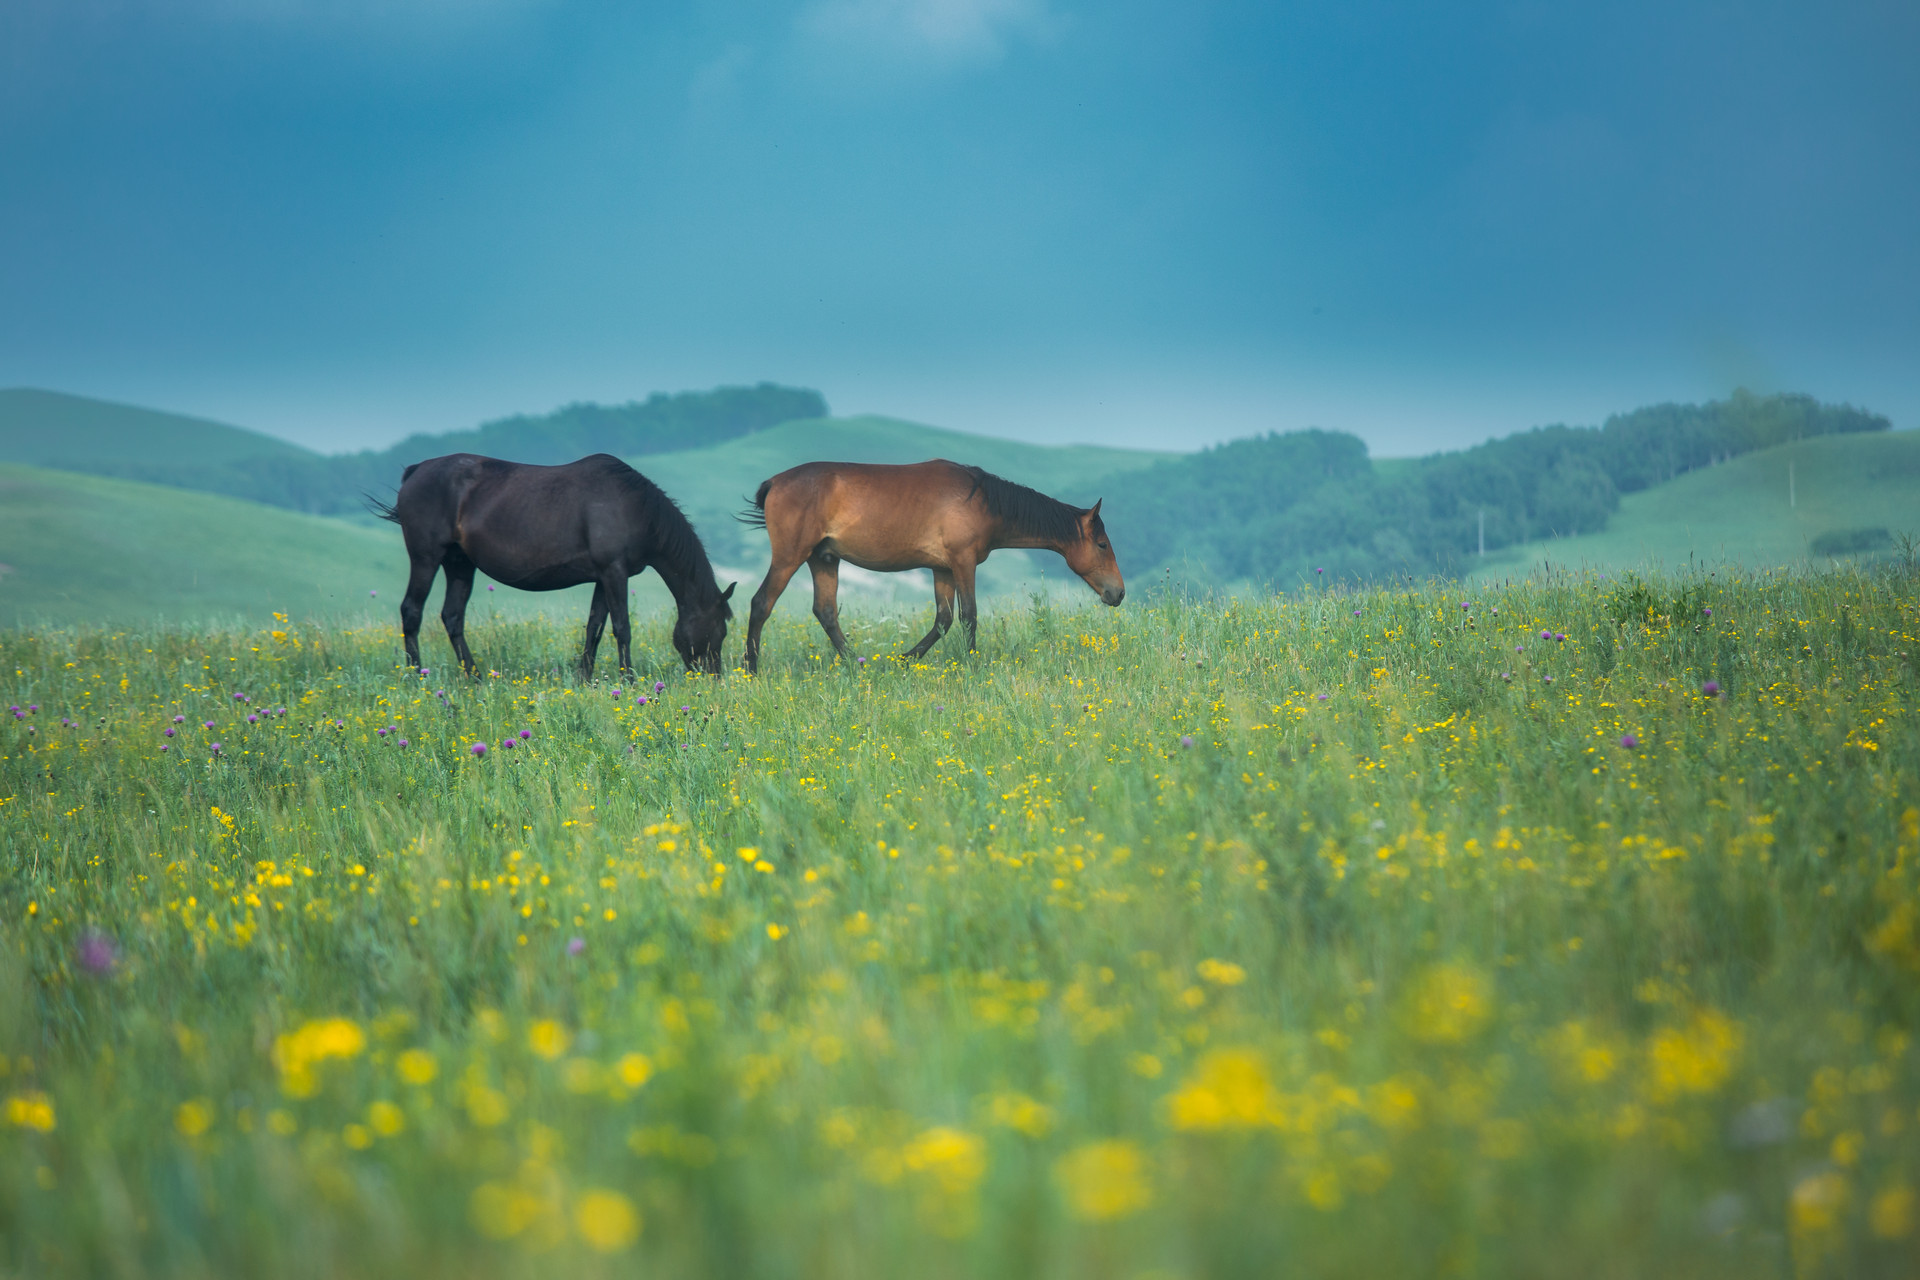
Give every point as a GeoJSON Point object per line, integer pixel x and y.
{"type": "Point", "coordinates": [1570, 928]}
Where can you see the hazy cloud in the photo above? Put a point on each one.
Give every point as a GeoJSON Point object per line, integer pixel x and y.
{"type": "Point", "coordinates": [944, 31]}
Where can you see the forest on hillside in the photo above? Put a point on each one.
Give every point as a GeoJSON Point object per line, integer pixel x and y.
{"type": "Point", "coordinates": [338, 484]}
{"type": "Point", "coordinates": [1282, 508]}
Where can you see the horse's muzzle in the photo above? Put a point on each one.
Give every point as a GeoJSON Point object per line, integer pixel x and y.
{"type": "Point", "coordinates": [1113, 595]}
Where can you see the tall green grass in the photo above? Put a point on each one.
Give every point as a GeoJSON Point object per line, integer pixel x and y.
{"type": "Point", "coordinates": [1361, 934]}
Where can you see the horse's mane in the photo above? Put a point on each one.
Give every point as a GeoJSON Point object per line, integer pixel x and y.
{"type": "Point", "coordinates": [1025, 512]}
{"type": "Point", "coordinates": [679, 542]}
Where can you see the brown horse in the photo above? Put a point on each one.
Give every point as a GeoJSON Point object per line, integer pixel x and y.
{"type": "Point", "coordinates": [935, 515]}
{"type": "Point", "coordinates": [543, 528]}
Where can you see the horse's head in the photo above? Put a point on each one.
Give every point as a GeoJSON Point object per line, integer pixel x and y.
{"type": "Point", "coordinates": [701, 630]}
{"type": "Point", "coordinates": [1092, 558]}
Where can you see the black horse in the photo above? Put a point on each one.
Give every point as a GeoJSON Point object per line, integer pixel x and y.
{"type": "Point", "coordinates": [543, 528]}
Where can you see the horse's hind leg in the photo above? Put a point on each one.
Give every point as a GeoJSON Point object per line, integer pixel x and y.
{"type": "Point", "coordinates": [615, 587]}
{"type": "Point", "coordinates": [763, 600]}
{"type": "Point", "coordinates": [969, 611]}
{"type": "Point", "coordinates": [414, 603]}
{"type": "Point", "coordinates": [596, 623]}
{"type": "Point", "coordinates": [826, 596]}
{"type": "Point", "coordinates": [453, 609]}
{"type": "Point", "coordinates": [942, 614]}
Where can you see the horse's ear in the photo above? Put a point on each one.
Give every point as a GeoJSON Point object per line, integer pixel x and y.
{"type": "Point", "coordinates": [1094, 511]}
{"type": "Point", "coordinates": [728, 593]}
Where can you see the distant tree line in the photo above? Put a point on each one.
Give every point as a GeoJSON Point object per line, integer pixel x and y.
{"type": "Point", "coordinates": [1275, 508]}
{"type": "Point", "coordinates": [333, 485]}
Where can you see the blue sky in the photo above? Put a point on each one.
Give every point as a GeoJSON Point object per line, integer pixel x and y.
{"type": "Point", "coordinates": [1133, 222]}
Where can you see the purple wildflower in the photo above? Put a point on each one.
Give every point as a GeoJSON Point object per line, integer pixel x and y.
{"type": "Point", "coordinates": [371, 594]}
{"type": "Point", "coordinates": [1186, 740]}
{"type": "Point", "coordinates": [509, 744]}
{"type": "Point", "coordinates": [479, 748]}
{"type": "Point", "coordinates": [253, 719]}
{"type": "Point", "coordinates": [659, 686]}
{"type": "Point", "coordinates": [1546, 635]}
{"type": "Point", "coordinates": [207, 725]}
{"type": "Point", "coordinates": [403, 742]}
{"type": "Point", "coordinates": [1323, 697]}
{"type": "Point", "coordinates": [179, 719]}
{"type": "Point", "coordinates": [95, 952]}
{"type": "Point", "coordinates": [1711, 688]}
{"type": "Point", "coordinates": [1319, 570]}
{"type": "Point", "coordinates": [239, 697]}
{"type": "Point", "coordinates": [1708, 611]}
{"type": "Point", "coordinates": [526, 733]}
{"type": "Point", "coordinates": [168, 731]}
{"type": "Point", "coordinates": [1629, 741]}
{"type": "Point", "coordinates": [166, 746]}
{"type": "Point", "coordinates": [425, 672]}
{"type": "Point", "coordinates": [381, 732]}
{"type": "Point", "coordinates": [216, 748]}
{"type": "Point", "coordinates": [640, 701]}
{"type": "Point", "coordinates": [616, 693]}
{"type": "Point", "coordinates": [1559, 637]}
{"type": "Point", "coordinates": [576, 945]}
{"type": "Point", "coordinates": [1356, 613]}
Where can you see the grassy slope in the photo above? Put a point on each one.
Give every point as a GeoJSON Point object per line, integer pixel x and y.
{"type": "Point", "coordinates": [86, 548]}
{"type": "Point", "coordinates": [1738, 513]}
{"type": "Point", "coordinates": [49, 428]}
{"type": "Point", "coordinates": [714, 483]}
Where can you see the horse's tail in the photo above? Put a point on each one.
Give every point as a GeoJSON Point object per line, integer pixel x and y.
{"type": "Point", "coordinates": [756, 514]}
{"type": "Point", "coordinates": [385, 510]}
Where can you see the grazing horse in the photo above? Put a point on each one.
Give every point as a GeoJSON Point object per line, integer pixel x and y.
{"type": "Point", "coordinates": [935, 515]}
{"type": "Point", "coordinates": [543, 528]}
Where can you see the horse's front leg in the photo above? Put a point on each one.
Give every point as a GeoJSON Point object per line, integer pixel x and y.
{"type": "Point", "coordinates": [942, 614]}
{"type": "Point", "coordinates": [763, 601]}
{"type": "Point", "coordinates": [596, 623]}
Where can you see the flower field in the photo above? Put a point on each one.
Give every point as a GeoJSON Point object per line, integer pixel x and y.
{"type": "Point", "coordinates": [1568, 928]}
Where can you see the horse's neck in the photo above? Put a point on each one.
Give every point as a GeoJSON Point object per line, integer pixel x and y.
{"type": "Point", "coordinates": [1005, 539]}
{"type": "Point", "coordinates": [686, 579]}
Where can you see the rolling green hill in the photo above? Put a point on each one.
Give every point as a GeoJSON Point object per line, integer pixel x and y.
{"type": "Point", "coordinates": [1738, 512]}
{"type": "Point", "coordinates": [75, 433]}
{"type": "Point", "coordinates": [91, 549]}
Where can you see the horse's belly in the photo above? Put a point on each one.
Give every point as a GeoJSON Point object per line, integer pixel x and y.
{"type": "Point", "coordinates": [884, 559]}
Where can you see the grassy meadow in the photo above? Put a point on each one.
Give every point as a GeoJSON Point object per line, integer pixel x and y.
{"type": "Point", "coordinates": [1746, 512]}
{"type": "Point", "coordinates": [1570, 927]}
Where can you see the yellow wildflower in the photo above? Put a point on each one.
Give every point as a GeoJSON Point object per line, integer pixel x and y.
{"type": "Point", "coordinates": [1221, 972]}
{"type": "Point", "coordinates": [1229, 1089]}
{"type": "Point", "coordinates": [606, 1220]}
{"type": "Point", "coordinates": [32, 1110]}
{"type": "Point", "coordinates": [193, 1117]}
{"type": "Point", "coordinates": [416, 1066]}
{"type": "Point", "coordinates": [1450, 1004]}
{"type": "Point", "coordinates": [1695, 1058]}
{"type": "Point", "coordinates": [548, 1039]}
{"type": "Point", "coordinates": [1104, 1180]}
